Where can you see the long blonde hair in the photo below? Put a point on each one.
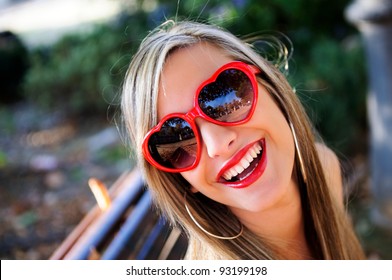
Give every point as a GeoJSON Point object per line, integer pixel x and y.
{"type": "Point", "coordinates": [327, 228]}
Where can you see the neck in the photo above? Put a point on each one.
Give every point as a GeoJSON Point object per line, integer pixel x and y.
{"type": "Point", "coordinates": [282, 225]}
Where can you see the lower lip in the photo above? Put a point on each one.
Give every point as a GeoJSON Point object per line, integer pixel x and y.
{"type": "Point", "coordinates": [256, 173]}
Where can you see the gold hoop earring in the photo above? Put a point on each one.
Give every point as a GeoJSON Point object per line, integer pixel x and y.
{"type": "Point", "coordinates": [301, 162]}
{"type": "Point", "coordinates": [207, 232]}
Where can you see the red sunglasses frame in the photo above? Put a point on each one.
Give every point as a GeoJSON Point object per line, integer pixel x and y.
{"type": "Point", "coordinates": [190, 116]}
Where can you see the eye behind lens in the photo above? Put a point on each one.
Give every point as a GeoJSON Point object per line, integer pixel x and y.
{"type": "Point", "coordinates": [174, 145]}
{"type": "Point", "coordinates": [229, 98]}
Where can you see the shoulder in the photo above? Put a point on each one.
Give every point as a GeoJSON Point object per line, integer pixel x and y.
{"type": "Point", "coordinates": [331, 167]}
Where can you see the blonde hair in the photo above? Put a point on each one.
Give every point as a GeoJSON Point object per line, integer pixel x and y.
{"type": "Point", "coordinates": [327, 228]}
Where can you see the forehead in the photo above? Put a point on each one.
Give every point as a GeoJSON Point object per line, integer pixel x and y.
{"type": "Point", "coordinates": [185, 69]}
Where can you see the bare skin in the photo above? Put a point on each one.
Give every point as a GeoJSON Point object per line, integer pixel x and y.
{"type": "Point", "coordinates": [271, 206]}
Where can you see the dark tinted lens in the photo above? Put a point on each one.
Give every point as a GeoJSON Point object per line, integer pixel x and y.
{"type": "Point", "coordinates": [174, 146]}
{"type": "Point", "coordinates": [229, 98]}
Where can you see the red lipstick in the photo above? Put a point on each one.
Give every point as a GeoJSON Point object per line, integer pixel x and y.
{"type": "Point", "coordinates": [251, 173]}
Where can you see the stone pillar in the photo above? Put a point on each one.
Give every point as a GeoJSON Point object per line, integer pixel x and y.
{"type": "Point", "coordinates": [374, 20]}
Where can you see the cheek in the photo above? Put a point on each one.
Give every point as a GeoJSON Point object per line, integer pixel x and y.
{"type": "Point", "coordinates": [281, 155]}
{"type": "Point", "coordinates": [271, 119]}
{"type": "Point", "coordinates": [194, 178]}
{"type": "Point", "coordinates": [281, 148]}
{"type": "Point", "coordinates": [201, 178]}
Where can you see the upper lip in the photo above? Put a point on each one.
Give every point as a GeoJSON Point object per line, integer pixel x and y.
{"type": "Point", "coordinates": [235, 159]}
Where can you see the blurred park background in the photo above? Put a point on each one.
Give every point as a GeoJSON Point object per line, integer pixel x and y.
{"type": "Point", "coordinates": [61, 67]}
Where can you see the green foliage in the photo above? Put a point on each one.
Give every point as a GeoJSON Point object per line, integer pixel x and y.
{"type": "Point", "coordinates": [331, 82]}
{"type": "Point", "coordinates": [7, 123]}
{"type": "Point", "coordinates": [82, 73]}
{"type": "Point", "coordinates": [3, 159]}
{"type": "Point", "coordinates": [76, 73]}
{"type": "Point", "coordinates": [112, 154]}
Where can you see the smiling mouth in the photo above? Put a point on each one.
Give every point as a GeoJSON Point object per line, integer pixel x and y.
{"type": "Point", "coordinates": [246, 165]}
{"type": "Point", "coordinates": [248, 169]}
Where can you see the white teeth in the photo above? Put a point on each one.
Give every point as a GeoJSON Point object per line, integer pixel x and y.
{"type": "Point", "coordinates": [253, 153]}
{"type": "Point", "coordinates": [244, 162]}
{"type": "Point", "coordinates": [239, 168]}
{"type": "Point", "coordinates": [249, 158]}
{"type": "Point", "coordinates": [232, 173]}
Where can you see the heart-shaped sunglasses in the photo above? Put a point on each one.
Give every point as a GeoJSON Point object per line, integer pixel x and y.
{"type": "Point", "coordinates": [227, 98]}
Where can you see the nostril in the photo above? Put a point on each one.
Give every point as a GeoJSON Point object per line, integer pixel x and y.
{"type": "Point", "coordinates": [217, 139]}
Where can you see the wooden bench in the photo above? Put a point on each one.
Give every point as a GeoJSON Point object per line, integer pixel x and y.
{"type": "Point", "coordinates": [128, 228]}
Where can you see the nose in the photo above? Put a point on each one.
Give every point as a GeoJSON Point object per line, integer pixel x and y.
{"type": "Point", "coordinates": [217, 139]}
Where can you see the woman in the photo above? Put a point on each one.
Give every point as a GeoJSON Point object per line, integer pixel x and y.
{"type": "Point", "coordinates": [228, 151]}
